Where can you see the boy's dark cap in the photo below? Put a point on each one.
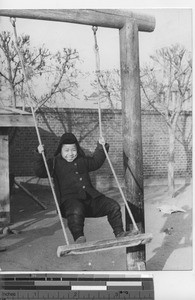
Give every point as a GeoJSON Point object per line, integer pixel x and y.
{"type": "Point", "coordinates": [69, 138]}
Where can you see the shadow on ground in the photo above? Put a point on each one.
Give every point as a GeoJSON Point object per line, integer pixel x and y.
{"type": "Point", "coordinates": [34, 249]}
{"type": "Point", "coordinates": [171, 248]}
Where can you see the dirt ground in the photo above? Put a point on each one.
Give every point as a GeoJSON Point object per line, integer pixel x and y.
{"type": "Point", "coordinates": [34, 249]}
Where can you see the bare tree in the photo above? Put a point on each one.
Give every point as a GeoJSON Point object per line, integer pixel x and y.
{"type": "Point", "coordinates": [50, 74]}
{"type": "Point", "coordinates": [11, 72]}
{"type": "Point", "coordinates": [107, 87]}
{"type": "Point", "coordinates": [184, 137]}
{"type": "Point", "coordinates": [60, 78]}
{"type": "Point", "coordinates": [166, 88]}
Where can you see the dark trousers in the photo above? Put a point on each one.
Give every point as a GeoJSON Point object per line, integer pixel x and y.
{"type": "Point", "coordinates": [76, 210]}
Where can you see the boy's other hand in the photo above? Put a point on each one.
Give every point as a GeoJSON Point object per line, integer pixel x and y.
{"type": "Point", "coordinates": [40, 148]}
{"type": "Point", "coordinates": [102, 140]}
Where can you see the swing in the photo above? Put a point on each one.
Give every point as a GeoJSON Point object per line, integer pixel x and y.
{"type": "Point", "coordinates": [131, 239]}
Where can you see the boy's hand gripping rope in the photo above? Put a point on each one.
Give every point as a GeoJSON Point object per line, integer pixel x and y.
{"type": "Point", "coordinates": [96, 48]}
{"type": "Point", "coordinates": [13, 22]}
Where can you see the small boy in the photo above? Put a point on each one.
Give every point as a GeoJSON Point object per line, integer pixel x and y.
{"type": "Point", "coordinates": [76, 195]}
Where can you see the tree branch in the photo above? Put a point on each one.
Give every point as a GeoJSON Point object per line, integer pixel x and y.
{"type": "Point", "coordinates": [154, 107]}
{"type": "Point", "coordinates": [3, 75]}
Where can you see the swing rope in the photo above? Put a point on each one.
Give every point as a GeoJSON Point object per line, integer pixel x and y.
{"type": "Point", "coordinates": [97, 56]}
{"type": "Point", "coordinates": [13, 22]}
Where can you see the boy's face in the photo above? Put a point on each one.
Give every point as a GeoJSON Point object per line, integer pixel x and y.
{"type": "Point", "coordinates": [69, 152]}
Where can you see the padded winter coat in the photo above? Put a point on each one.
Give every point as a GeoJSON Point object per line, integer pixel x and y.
{"type": "Point", "coordinates": [71, 179]}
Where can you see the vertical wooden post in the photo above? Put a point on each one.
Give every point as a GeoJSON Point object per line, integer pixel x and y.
{"type": "Point", "coordinates": [132, 137]}
{"type": "Point", "coordinates": [4, 178]}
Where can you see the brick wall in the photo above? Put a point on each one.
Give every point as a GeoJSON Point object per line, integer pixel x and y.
{"type": "Point", "coordinates": [156, 145]}
{"type": "Point", "coordinates": [84, 124]}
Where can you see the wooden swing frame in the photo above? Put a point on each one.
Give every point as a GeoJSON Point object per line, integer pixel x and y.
{"type": "Point", "coordinates": [129, 24]}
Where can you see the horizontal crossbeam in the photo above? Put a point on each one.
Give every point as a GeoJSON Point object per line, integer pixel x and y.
{"type": "Point", "coordinates": [112, 18]}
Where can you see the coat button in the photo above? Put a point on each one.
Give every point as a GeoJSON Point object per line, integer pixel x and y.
{"type": "Point", "coordinates": [84, 187]}
{"type": "Point", "coordinates": [76, 172]}
{"type": "Point", "coordinates": [81, 178]}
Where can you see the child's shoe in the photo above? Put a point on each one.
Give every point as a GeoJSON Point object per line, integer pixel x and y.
{"type": "Point", "coordinates": [81, 240]}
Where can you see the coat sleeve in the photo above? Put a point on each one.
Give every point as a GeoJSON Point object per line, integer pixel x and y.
{"type": "Point", "coordinates": [96, 161]}
{"type": "Point", "coordinates": [39, 166]}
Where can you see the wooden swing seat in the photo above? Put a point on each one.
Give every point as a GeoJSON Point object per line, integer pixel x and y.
{"type": "Point", "coordinates": [130, 240]}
